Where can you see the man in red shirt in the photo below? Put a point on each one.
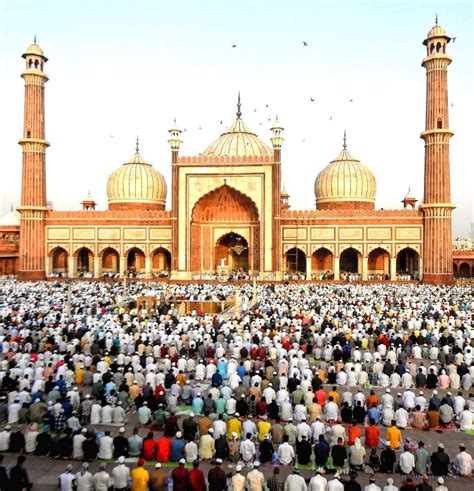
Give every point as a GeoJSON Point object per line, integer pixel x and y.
{"type": "Point", "coordinates": [149, 447]}
{"type": "Point", "coordinates": [196, 478]}
{"type": "Point", "coordinates": [163, 450]}
{"type": "Point", "coordinates": [372, 435]}
{"type": "Point", "coordinates": [180, 476]}
{"type": "Point", "coordinates": [320, 397]}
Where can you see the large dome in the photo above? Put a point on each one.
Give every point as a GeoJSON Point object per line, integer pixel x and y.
{"type": "Point", "coordinates": [345, 183]}
{"type": "Point", "coordinates": [238, 141]}
{"type": "Point", "coordinates": [136, 185]}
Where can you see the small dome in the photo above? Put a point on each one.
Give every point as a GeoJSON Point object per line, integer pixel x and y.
{"type": "Point", "coordinates": [238, 141]}
{"type": "Point", "coordinates": [436, 31]}
{"type": "Point", "coordinates": [11, 219]}
{"type": "Point", "coordinates": [136, 185]}
{"type": "Point", "coordinates": [345, 183]}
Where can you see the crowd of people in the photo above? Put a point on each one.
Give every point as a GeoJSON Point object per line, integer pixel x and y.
{"type": "Point", "coordinates": [322, 377]}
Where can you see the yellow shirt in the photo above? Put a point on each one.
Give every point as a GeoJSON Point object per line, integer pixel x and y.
{"type": "Point", "coordinates": [394, 436]}
{"type": "Point", "coordinates": [264, 428]}
{"type": "Point", "coordinates": [140, 479]}
{"type": "Point", "coordinates": [234, 426]}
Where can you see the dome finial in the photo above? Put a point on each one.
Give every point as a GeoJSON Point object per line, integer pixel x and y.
{"type": "Point", "coordinates": [344, 144]}
{"type": "Point", "coordinates": [239, 112]}
{"type": "Point", "coordinates": [11, 207]}
{"type": "Point", "coordinates": [34, 38]}
{"type": "Point", "coordinates": [137, 146]}
{"type": "Point", "coordinates": [436, 19]}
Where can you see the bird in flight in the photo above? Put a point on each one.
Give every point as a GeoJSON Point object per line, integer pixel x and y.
{"type": "Point", "coordinates": [454, 39]}
{"type": "Point", "coordinates": [200, 127]}
{"type": "Point", "coordinates": [266, 105]}
{"type": "Point", "coordinates": [311, 99]}
{"type": "Point", "coordinates": [305, 43]}
{"type": "Point", "coordinates": [330, 118]}
{"type": "Point", "coordinates": [221, 121]}
{"type": "Point", "coordinates": [351, 100]}
{"type": "Point", "coordinates": [234, 46]}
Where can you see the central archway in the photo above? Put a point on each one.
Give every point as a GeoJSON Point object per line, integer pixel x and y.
{"type": "Point", "coordinates": [215, 217]}
{"type": "Point", "coordinates": [231, 252]}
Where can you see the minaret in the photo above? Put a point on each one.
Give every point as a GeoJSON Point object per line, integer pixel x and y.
{"type": "Point", "coordinates": [174, 143]}
{"type": "Point", "coordinates": [33, 180]}
{"type": "Point", "coordinates": [277, 142]}
{"type": "Point", "coordinates": [437, 206]}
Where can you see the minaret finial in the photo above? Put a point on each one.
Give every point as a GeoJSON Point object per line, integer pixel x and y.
{"type": "Point", "coordinates": [137, 147]}
{"type": "Point", "coordinates": [436, 19]}
{"type": "Point", "coordinates": [344, 144]}
{"type": "Point", "coordinates": [239, 112]}
{"type": "Point", "coordinates": [11, 207]}
{"type": "Point", "coordinates": [34, 38]}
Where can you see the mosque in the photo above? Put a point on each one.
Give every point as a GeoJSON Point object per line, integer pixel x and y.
{"type": "Point", "coordinates": [229, 210]}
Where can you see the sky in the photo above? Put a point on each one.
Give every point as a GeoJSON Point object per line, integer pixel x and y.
{"type": "Point", "coordinates": [122, 68]}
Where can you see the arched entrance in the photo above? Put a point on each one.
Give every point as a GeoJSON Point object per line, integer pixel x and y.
{"type": "Point", "coordinates": [322, 263]}
{"type": "Point", "coordinates": [350, 261]}
{"type": "Point", "coordinates": [218, 214]}
{"type": "Point", "coordinates": [60, 257]}
{"type": "Point", "coordinates": [231, 252]}
{"type": "Point", "coordinates": [378, 264]}
{"type": "Point", "coordinates": [295, 260]}
{"type": "Point", "coordinates": [85, 260]}
{"type": "Point", "coordinates": [135, 260]}
{"type": "Point", "coordinates": [161, 261]}
{"type": "Point", "coordinates": [408, 263]}
{"type": "Point", "coordinates": [455, 270]}
{"type": "Point", "coordinates": [464, 270]}
{"type": "Point", "coordinates": [110, 261]}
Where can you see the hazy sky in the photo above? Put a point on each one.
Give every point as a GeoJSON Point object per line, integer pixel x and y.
{"type": "Point", "coordinates": [122, 68]}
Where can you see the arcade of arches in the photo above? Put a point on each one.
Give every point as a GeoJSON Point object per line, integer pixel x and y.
{"type": "Point", "coordinates": [84, 263]}
{"type": "Point", "coordinates": [225, 232]}
{"type": "Point", "coordinates": [378, 264]}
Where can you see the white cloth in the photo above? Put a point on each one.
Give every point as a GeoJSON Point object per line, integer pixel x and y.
{"type": "Point", "coordinates": [121, 476]}
{"type": "Point", "coordinates": [286, 454]}
{"type": "Point", "coordinates": [318, 483]}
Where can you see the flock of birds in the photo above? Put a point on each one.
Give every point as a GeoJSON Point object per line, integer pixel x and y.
{"type": "Point", "coordinates": [267, 106]}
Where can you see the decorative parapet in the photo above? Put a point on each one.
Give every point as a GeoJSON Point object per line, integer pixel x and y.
{"type": "Point", "coordinates": [208, 159]}
{"type": "Point", "coordinates": [90, 215]}
{"type": "Point", "coordinates": [316, 214]}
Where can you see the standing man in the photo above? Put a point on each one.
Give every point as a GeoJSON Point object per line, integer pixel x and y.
{"type": "Point", "coordinates": [216, 477]}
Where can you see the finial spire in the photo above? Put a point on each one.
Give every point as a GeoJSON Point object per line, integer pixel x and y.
{"type": "Point", "coordinates": [34, 38]}
{"type": "Point", "coordinates": [344, 144]}
{"type": "Point", "coordinates": [137, 147]}
{"type": "Point", "coordinates": [11, 207]}
{"type": "Point", "coordinates": [436, 19]}
{"type": "Point", "coordinates": [239, 112]}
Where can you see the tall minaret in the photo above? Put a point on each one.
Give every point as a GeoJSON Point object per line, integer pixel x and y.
{"type": "Point", "coordinates": [33, 179]}
{"type": "Point", "coordinates": [437, 206]}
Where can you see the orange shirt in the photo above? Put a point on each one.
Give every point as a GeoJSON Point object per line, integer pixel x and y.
{"type": "Point", "coordinates": [372, 400]}
{"type": "Point", "coordinates": [372, 436]}
{"type": "Point", "coordinates": [394, 436]}
{"type": "Point", "coordinates": [353, 433]}
{"type": "Point", "coordinates": [334, 395]}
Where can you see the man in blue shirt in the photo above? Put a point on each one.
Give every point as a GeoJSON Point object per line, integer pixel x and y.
{"type": "Point", "coordinates": [177, 448]}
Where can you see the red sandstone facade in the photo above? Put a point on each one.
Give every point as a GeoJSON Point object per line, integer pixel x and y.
{"type": "Point", "coordinates": [228, 211]}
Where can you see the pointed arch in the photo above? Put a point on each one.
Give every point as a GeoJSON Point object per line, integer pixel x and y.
{"type": "Point", "coordinates": [350, 260]}
{"type": "Point", "coordinates": [322, 261]}
{"type": "Point", "coordinates": [408, 262]}
{"type": "Point", "coordinates": [225, 203]}
{"type": "Point", "coordinates": [59, 259]}
{"type": "Point", "coordinates": [110, 260]}
{"type": "Point", "coordinates": [378, 262]}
